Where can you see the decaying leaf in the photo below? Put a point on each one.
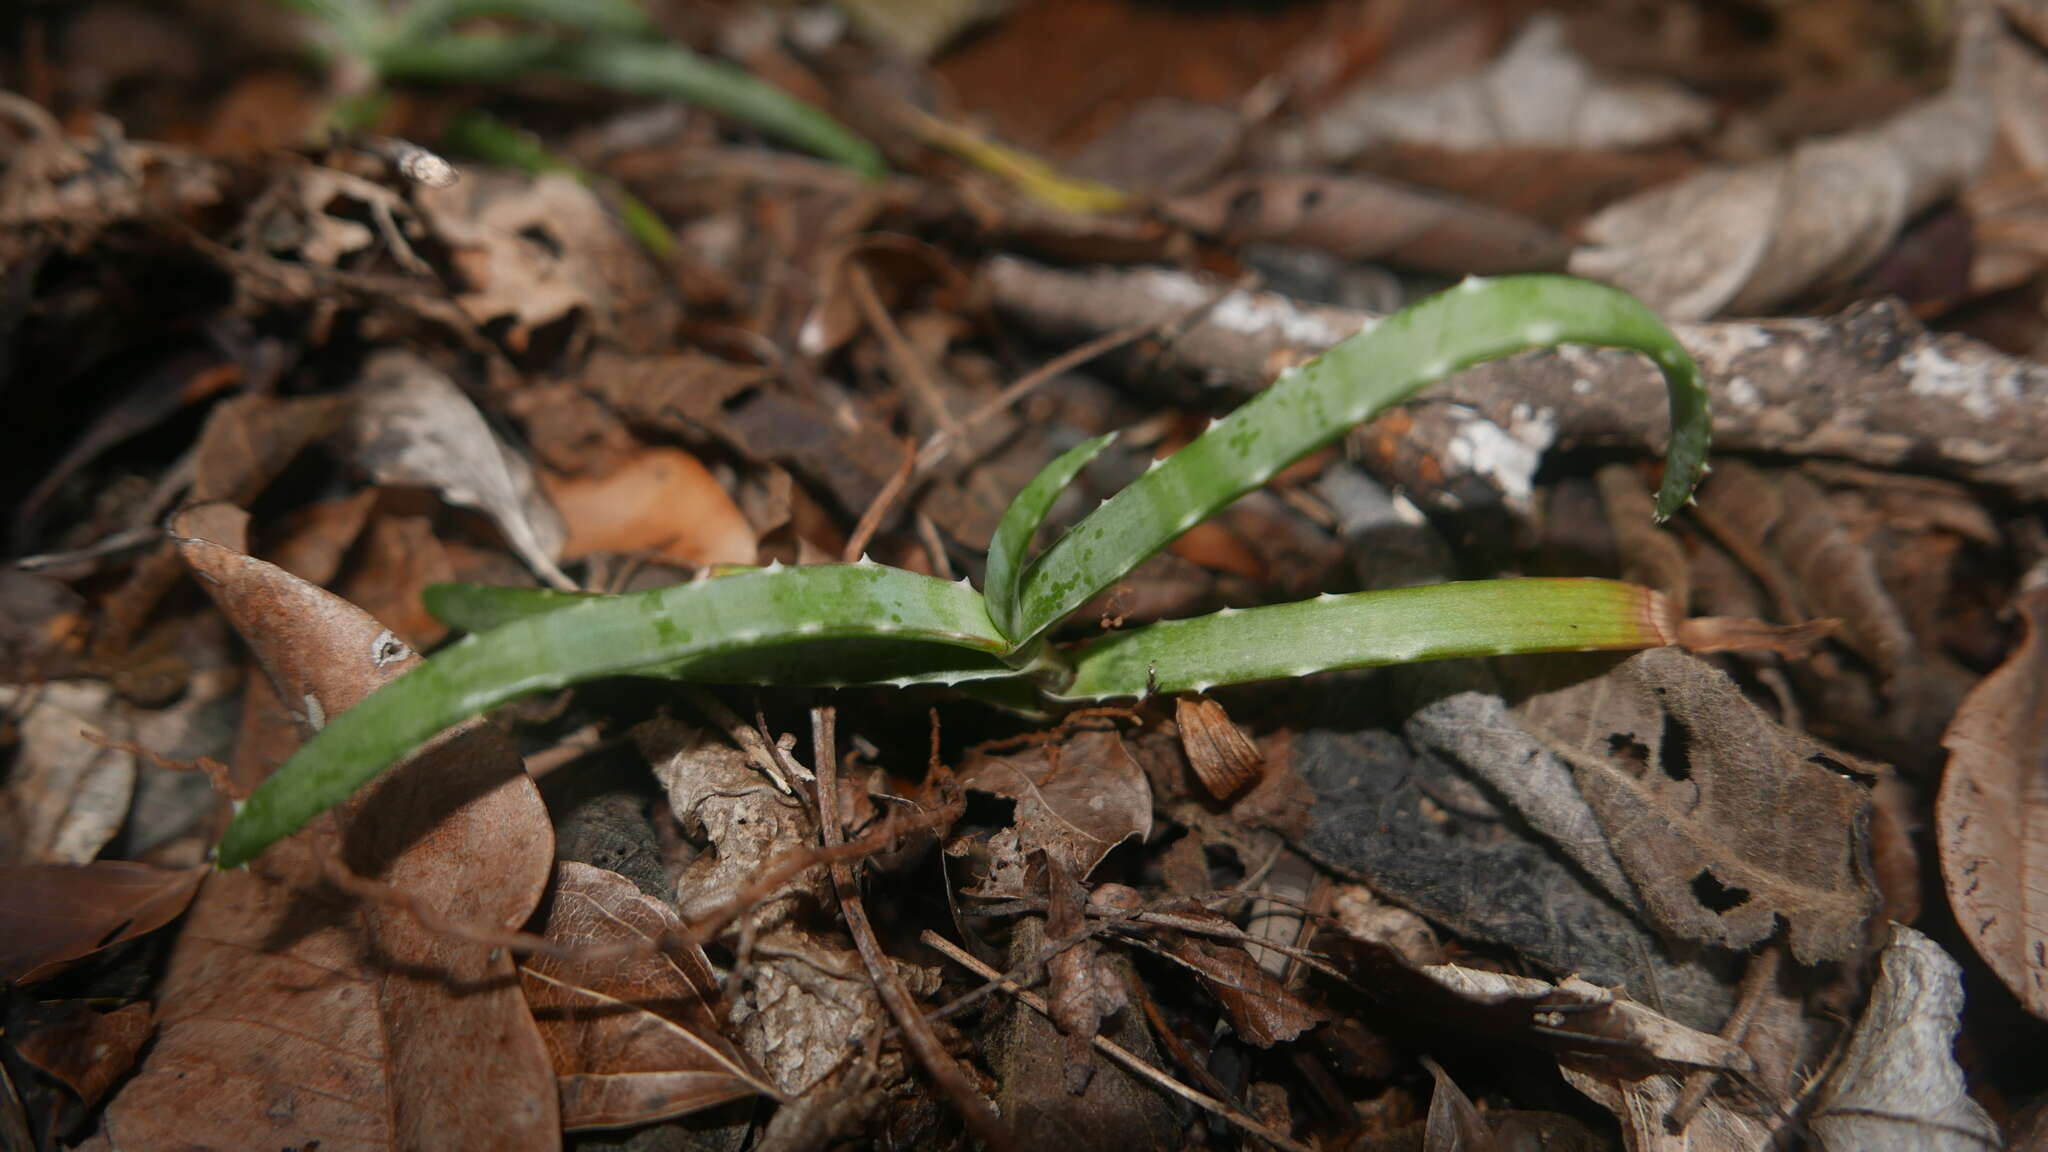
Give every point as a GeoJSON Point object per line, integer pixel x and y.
{"type": "Point", "coordinates": [1723, 820]}
{"type": "Point", "coordinates": [290, 1012]}
{"type": "Point", "coordinates": [1744, 239]}
{"type": "Point", "coordinates": [808, 1005]}
{"type": "Point", "coordinates": [659, 501]}
{"type": "Point", "coordinates": [543, 265]}
{"type": "Point", "coordinates": [54, 914]}
{"type": "Point", "coordinates": [1537, 94]}
{"type": "Point", "coordinates": [1576, 1015]}
{"type": "Point", "coordinates": [67, 793]}
{"type": "Point", "coordinates": [88, 1051]}
{"type": "Point", "coordinates": [1076, 798]}
{"type": "Point", "coordinates": [727, 803]}
{"type": "Point", "coordinates": [1991, 818]}
{"type": "Point", "coordinates": [1897, 1087]}
{"type": "Point", "coordinates": [1262, 1010]}
{"type": "Point", "coordinates": [1641, 1104]}
{"type": "Point", "coordinates": [412, 426]}
{"type": "Point", "coordinates": [1383, 814]}
{"type": "Point", "coordinates": [632, 1039]}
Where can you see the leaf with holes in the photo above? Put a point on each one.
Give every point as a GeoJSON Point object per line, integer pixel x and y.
{"type": "Point", "coordinates": [1722, 819]}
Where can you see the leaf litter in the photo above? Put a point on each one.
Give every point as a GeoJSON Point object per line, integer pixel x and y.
{"type": "Point", "coordinates": [1637, 903]}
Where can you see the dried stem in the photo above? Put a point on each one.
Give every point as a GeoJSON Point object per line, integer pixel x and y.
{"type": "Point", "coordinates": [917, 1031]}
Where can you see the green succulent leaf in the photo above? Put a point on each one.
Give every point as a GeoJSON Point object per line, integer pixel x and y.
{"type": "Point", "coordinates": [660, 632]}
{"type": "Point", "coordinates": [1313, 404]}
{"type": "Point", "coordinates": [1006, 552]}
{"type": "Point", "coordinates": [1366, 629]}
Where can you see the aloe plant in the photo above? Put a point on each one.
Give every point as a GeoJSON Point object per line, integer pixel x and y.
{"type": "Point", "coordinates": [869, 624]}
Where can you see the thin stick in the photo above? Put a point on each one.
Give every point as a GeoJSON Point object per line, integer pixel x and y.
{"type": "Point", "coordinates": [1758, 977]}
{"type": "Point", "coordinates": [759, 753]}
{"type": "Point", "coordinates": [879, 506]}
{"type": "Point", "coordinates": [917, 1031]}
{"type": "Point", "coordinates": [940, 443]}
{"type": "Point", "coordinates": [1117, 1052]}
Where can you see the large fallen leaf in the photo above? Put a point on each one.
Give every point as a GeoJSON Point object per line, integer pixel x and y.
{"type": "Point", "coordinates": [1077, 798]}
{"type": "Point", "coordinates": [412, 426]}
{"type": "Point", "coordinates": [1897, 1087]}
{"type": "Point", "coordinates": [1539, 93]}
{"type": "Point", "coordinates": [88, 1051]}
{"type": "Point", "coordinates": [1724, 821]}
{"type": "Point", "coordinates": [1744, 239]}
{"type": "Point", "coordinates": [660, 500]}
{"type": "Point", "coordinates": [54, 914]}
{"type": "Point", "coordinates": [1991, 818]}
{"type": "Point", "coordinates": [291, 1013]}
{"type": "Point", "coordinates": [1417, 831]}
{"type": "Point", "coordinates": [67, 792]}
{"type": "Point", "coordinates": [633, 1039]}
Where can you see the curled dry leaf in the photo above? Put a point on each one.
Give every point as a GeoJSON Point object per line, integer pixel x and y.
{"type": "Point", "coordinates": [89, 1051]}
{"type": "Point", "coordinates": [1991, 818]}
{"type": "Point", "coordinates": [1262, 1010]}
{"type": "Point", "coordinates": [1076, 798]}
{"type": "Point", "coordinates": [52, 915]}
{"type": "Point", "coordinates": [1364, 218]}
{"type": "Point", "coordinates": [67, 793]}
{"type": "Point", "coordinates": [1724, 821]}
{"type": "Point", "coordinates": [633, 1039]}
{"type": "Point", "coordinates": [289, 1014]}
{"type": "Point", "coordinates": [660, 500]}
{"type": "Point", "coordinates": [1580, 1016]}
{"type": "Point", "coordinates": [1744, 239]}
{"type": "Point", "coordinates": [1897, 1087]}
{"type": "Point", "coordinates": [1224, 760]}
{"type": "Point", "coordinates": [543, 265]}
{"type": "Point", "coordinates": [1640, 1105]}
{"type": "Point", "coordinates": [1538, 94]}
{"type": "Point", "coordinates": [412, 426]}
{"type": "Point", "coordinates": [728, 804]}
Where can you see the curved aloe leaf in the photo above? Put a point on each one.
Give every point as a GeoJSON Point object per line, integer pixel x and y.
{"type": "Point", "coordinates": [1313, 404]}
{"type": "Point", "coordinates": [1364, 629]}
{"type": "Point", "coordinates": [1020, 523]}
{"type": "Point", "coordinates": [655, 632]}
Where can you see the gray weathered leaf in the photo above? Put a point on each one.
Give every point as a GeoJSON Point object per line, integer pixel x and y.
{"type": "Point", "coordinates": [67, 793]}
{"type": "Point", "coordinates": [1079, 797]}
{"type": "Point", "coordinates": [1897, 1087]}
{"type": "Point", "coordinates": [412, 426]}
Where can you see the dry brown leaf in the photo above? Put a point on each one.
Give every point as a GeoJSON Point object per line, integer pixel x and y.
{"type": "Point", "coordinates": [412, 426]}
{"type": "Point", "coordinates": [1454, 1124]}
{"type": "Point", "coordinates": [89, 1051]}
{"type": "Point", "coordinates": [1991, 818]}
{"type": "Point", "coordinates": [1262, 1010]}
{"type": "Point", "coordinates": [1361, 217]}
{"type": "Point", "coordinates": [1077, 799]}
{"type": "Point", "coordinates": [1588, 1018]}
{"type": "Point", "coordinates": [67, 793]}
{"type": "Point", "coordinates": [659, 500]}
{"type": "Point", "coordinates": [52, 915]}
{"type": "Point", "coordinates": [288, 1014]}
{"type": "Point", "coordinates": [544, 266]}
{"type": "Point", "coordinates": [1741, 240]}
{"type": "Point", "coordinates": [724, 802]}
{"type": "Point", "coordinates": [1537, 93]}
{"type": "Point", "coordinates": [633, 1039]}
{"type": "Point", "coordinates": [1723, 820]}
{"type": "Point", "coordinates": [399, 555]}
{"type": "Point", "coordinates": [1223, 759]}
{"type": "Point", "coordinates": [1897, 1087]}
{"type": "Point", "coordinates": [809, 1003]}
{"type": "Point", "coordinates": [1640, 1105]}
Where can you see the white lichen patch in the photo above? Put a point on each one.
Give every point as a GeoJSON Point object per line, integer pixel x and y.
{"type": "Point", "coordinates": [1975, 389]}
{"type": "Point", "coordinates": [1257, 314]}
{"type": "Point", "coordinates": [1741, 393]}
{"type": "Point", "coordinates": [1506, 457]}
